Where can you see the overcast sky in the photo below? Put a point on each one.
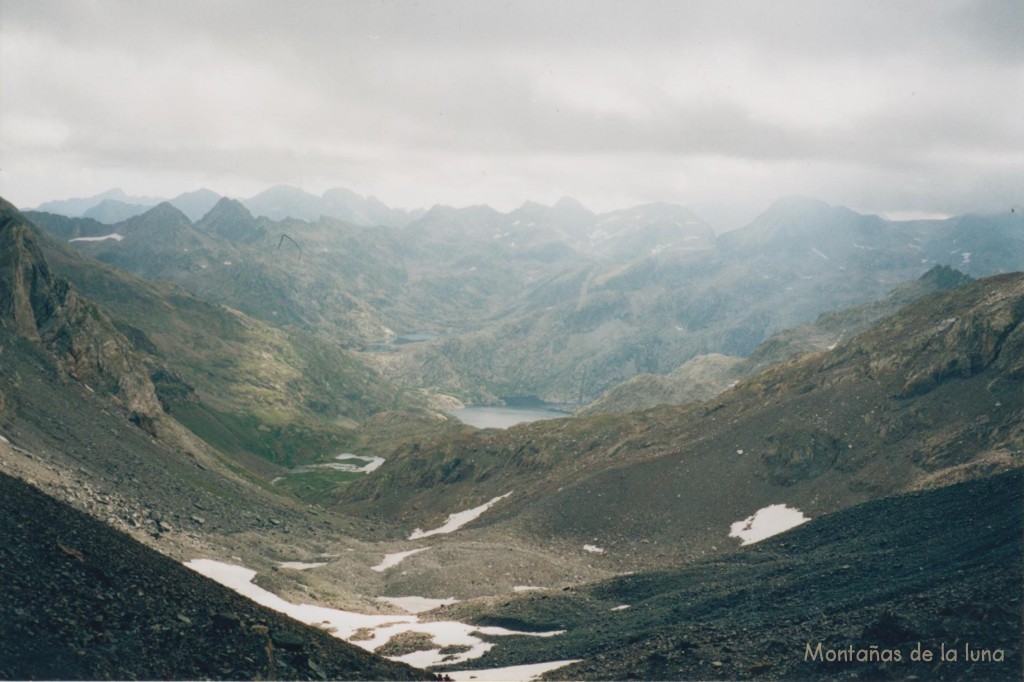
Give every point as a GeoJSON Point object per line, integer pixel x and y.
{"type": "Point", "coordinates": [886, 107]}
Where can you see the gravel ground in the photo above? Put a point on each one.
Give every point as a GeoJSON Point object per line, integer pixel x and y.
{"type": "Point", "coordinates": [79, 600]}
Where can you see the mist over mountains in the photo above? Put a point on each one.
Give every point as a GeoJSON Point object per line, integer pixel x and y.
{"type": "Point", "coordinates": [268, 383]}
{"type": "Point", "coordinates": [276, 203]}
{"type": "Point", "coordinates": [555, 302]}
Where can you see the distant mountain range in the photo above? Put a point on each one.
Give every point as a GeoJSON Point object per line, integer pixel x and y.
{"type": "Point", "coordinates": [278, 202]}
{"type": "Point", "coordinates": [550, 301]}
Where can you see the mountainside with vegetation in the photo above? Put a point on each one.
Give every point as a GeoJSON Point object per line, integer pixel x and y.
{"type": "Point", "coordinates": [929, 393]}
{"type": "Point", "coordinates": [555, 302]}
{"type": "Point", "coordinates": [286, 394]}
{"type": "Point", "coordinates": [705, 376]}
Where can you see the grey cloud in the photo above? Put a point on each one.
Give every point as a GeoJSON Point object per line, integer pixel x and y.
{"type": "Point", "coordinates": [378, 92]}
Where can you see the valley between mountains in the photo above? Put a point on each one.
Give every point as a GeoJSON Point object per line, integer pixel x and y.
{"type": "Point", "coordinates": [227, 448]}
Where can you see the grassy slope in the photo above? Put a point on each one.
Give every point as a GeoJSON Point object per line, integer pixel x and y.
{"type": "Point", "coordinates": [283, 394]}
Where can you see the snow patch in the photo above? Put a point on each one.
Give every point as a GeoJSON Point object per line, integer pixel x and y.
{"type": "Point", "coordinates": [4, 440]}
{"type": "Point", "coordinates": [526, 588]}
{"type": "Point", "coordinates": [372, 463]}
{"type": "Point", "coordinates": [966, 255]}
{"type": "Point", "coordinates": [515, 673]}
{"type": "Point", "coordinates": [458, 520]}
{"type": "Point", "coordinates": [115, 236]}
{"type": "Point", "coordinates": [593, 549]}
{"type": "Point", "coordinates": [767, 522]}
{"type": "Point", "coordinates": [417, 604]}
{"type": "Point", "coordinates": [300, 565]}
{"type": "Point", "coordinates": [620, 608]}
{"type": "Point", "coordinates": [346, 624]}
{"type": "Point", "coordinates": [819, 253]}
{"type": "Point", "coordinates": [391, 560]}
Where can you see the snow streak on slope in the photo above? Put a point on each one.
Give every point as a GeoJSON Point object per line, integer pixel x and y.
{"type": "Point", "coordinates": [391, 560]}
{"type": "Point", "coordinates": [456, 521]}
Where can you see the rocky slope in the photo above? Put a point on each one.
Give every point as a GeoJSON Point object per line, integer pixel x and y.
{"type": "Point", "coordinates": [941, 568]}
{"type": "Point", "coordinates": [46, 310]}
{"type": "Point", "coordinates": [82, 601]}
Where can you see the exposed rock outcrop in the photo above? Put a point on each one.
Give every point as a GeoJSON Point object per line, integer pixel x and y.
{"type": "Point", "coordinates": [81, 339]}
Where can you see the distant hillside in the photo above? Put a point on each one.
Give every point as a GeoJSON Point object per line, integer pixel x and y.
{"type": "Point", "coordinates": [929, 393]}
{"type": "Point", "coordinates": [705, 376]}
{"type": "Point", "coordinates": [591, 327]}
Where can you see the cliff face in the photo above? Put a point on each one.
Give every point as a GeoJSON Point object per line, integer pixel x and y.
{"type": "Point", "coordinates": [79, 337]}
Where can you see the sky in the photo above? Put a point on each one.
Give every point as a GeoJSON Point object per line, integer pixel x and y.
{"type": "Point", "coordinates": [899, 108]}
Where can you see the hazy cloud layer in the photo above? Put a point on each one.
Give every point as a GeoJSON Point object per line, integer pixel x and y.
{"type": "Point", "coordinates": [723, 106]}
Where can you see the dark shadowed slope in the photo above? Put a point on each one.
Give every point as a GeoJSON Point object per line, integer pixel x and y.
{"type": "Point", "coordinates": [79, 600]}
{"type": "Point", "coordinates": [941, 567]}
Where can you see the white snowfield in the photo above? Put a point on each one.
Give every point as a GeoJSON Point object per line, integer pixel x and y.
{"type": "Point", "coordinates": [458, 520]}
{"type": "Point", "coordinates": [593, 549]}
{"type": "Point", "coordinates": [372, 463]}
{"type": "Point", "coordinates": [114, 235]}
{"type": "Point", "coordinates": [346, 624]}
{"type": "Point", "coordinates": [767, 522]}
{"type": "Point", "coordinates": [391, 560]}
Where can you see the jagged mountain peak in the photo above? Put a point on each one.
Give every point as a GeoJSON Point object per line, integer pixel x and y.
{"type": "Point", "coordinates": [942, 277]}
{"type": "Point", "coordinates": [26, 286]}
{"type": "Point", "coordinates": [228, 207]}
{"type": "Point", "coordinates": [808, 222]}
{"type": "Point", "coordinates": [163, 214]}
{"type": "Point", "coordinates": [229, 218]}
{"type": "Point", "coordinates": [202, 192]}
{"type": "Point", "coordinates": [195, 204]}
